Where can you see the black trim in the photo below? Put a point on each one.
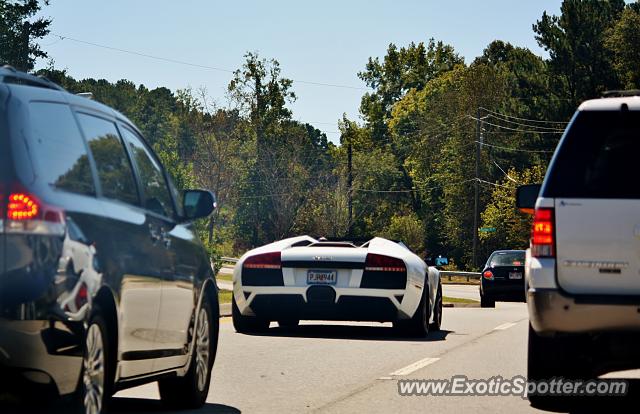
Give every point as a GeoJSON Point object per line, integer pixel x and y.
{"type": "Point", "coordinates": [262, 277]}
{"type": "Point", "coordinates": [384, 280]}
{"type": "Point", "coordinates": [311, 264]}
{"type": "Point", "coordinates": [152, 354]}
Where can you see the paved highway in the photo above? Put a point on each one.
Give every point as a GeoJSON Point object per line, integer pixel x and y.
{"type": "Point", "coordinates": [327, 367]}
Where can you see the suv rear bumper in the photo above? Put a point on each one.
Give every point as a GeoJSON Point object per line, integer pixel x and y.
{"type": "Point", "coordinates": [550, 311]}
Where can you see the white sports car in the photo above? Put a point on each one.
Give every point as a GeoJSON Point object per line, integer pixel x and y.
{"type": "Point", "coordinates": [304, 278]}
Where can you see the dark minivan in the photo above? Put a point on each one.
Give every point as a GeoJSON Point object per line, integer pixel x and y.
{"type": "Point", "coordinates": [103, 282]}
{"type": "Point", "coordinates": [502, 278]}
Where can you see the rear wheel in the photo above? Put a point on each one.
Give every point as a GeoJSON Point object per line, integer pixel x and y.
{"type": "Point", "coordinates": [437, 310]}
{"type": "Point", "coordinates": [487, 301]}
{"type": "Point", "coordinates": [418, 325]}
{"type": "Point", "coordinates": [190, 391]}
{"type": "Point", "coordinates": [95, 386]}
{"type": "Point", "coordinates": [247, 324]}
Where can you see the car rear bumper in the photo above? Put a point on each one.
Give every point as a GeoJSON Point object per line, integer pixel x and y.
{"type": "Point", "coordinates": [324, 303]}
{"type": "Point", "coordinates": [40, 354]}
{"type": "Point", "coordinates": [505, 290]}
{"type": "Point", "coordinates": [550, 312]}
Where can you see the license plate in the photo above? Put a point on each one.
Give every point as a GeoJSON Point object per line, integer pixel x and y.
{"type": "Point", "coordinates": [322, 277]}
{"type": "Point", "coordinates": [515, 275]}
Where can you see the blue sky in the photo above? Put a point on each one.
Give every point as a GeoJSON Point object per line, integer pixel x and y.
{"type": "Point", "coordinates": [325, 41]}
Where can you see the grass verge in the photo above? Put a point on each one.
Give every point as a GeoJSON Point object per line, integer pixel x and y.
{"type": "Point", "coordinates": [447, 299]}
{"type": "Point", "coordinates": [224, 296]}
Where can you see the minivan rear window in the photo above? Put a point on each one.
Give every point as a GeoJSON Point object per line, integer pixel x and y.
{"type": "Point", "coordinates": [58, 148]}
{"type": "Point", "coordinates": [596, 157]}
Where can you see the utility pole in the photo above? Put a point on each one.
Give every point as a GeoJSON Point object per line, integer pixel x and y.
{"type": "Point", "coordinates": [350, 186]}
{"type": "Point", "coordinates": [476, 202]}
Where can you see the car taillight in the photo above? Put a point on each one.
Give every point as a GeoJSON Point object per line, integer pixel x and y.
{"type": "Point", "coordinates": [380, 263]}
{"type": "Point", "coordinates": [22, 207]}
{"type": "Point", "coordinates": [25, 213]}
{"type": "Point", "coordinates": [543, 233]}
{"type": "Point", "coordinates": [264, 261]}
{"type": "Point", "coordinates": [488, 275]}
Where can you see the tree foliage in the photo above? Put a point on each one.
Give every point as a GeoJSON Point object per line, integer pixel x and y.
{"type": "Point", "coordinates": [19, 33]}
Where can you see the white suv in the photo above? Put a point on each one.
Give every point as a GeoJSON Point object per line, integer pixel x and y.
{"type": "Point", "coordinates": [583, 267]}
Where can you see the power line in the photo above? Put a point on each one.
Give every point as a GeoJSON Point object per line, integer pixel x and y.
{"type": "Point", "coordinates": [522, 119]}
{"type": "Point", "coordinates": [513, 149]}
{"type": "Point", "coordinates": [196, 65]}
{"type": "Point", "coordinates": [514, 129]}
{"type": "Point", "coordinates": [542, 128]}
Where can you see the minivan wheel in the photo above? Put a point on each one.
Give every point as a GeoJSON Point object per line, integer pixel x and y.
{"type": "Point", "coordinates": [95, 388]}
{"type": "Point", "coordinates": [190, 391]}
{"type": "Point", "coordinates": [418, 325]}
{"type": "Point", "coordinates": [246, 324]}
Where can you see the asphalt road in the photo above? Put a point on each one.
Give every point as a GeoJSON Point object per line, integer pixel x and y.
{"type": "Point", "coordinates": [331, 367]}
{"type": "Point", "coordinates": [461, 291]}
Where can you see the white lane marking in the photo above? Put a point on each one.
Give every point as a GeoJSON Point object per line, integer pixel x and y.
{"type": "Point", "coordinates": [414, 367]}
{"type": "Point", "coordinates": [385, 378]}
{"type": "Point", "coordinates": [504, 326]}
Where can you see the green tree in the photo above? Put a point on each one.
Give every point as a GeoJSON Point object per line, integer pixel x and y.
{"type": "Point", "coordinates": [513, 228]}
{"type": "Point", "coordinates": [19, 32]}
{"type": "Point", "coordinates": [623, 40]}
{"type": "Point", "coordinates": [579, 59]}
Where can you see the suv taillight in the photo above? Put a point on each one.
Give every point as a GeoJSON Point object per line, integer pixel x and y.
{"type": "Point", "coordinates": [25, 213]}
{"type": "Point", "coordinates": [264, 261]}
{"type": "Point", "coordinates": [543, 233]}
{"type": "Point", "coordinates": [379, 263]}
{"type": "Point", "coordinates": [22, 207]}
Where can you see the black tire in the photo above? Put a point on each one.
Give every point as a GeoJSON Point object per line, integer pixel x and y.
{"type": "Point", "coordinates": [551, 357]}
{"type": "Point", "coordinates": [437, 310]}
{"type": "Point", "coordinates": [418, 325]}
{"type": "Point", "coordinates": [96, 354]}
{"type": "Point", "coordinates": [487, 301]}
{"type": "Point", "coordinates": [190, 391]}
{"type": "Point", "coordinates": [288, 323]}
{"type": "Point", "coordinates": [247, 324]}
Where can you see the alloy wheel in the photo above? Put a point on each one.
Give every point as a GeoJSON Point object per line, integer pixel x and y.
{"type": "Point", "coordinates": [93, 374]}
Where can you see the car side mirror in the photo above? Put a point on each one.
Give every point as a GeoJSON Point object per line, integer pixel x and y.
{"type": "Point", "coordinates": [526, 196]}
{"type": "Point", "coordinates": [198, 204]}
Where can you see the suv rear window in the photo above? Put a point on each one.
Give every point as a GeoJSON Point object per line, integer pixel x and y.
{"type": "Point", "coordinates": [596, 157]}
{"type": "Point", "coordinates": [58, 148]}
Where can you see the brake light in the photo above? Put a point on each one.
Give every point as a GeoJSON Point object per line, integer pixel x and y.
{"type": "Point", "coordinates": [488, 275]}
{"type": "Point", "coordinates": [380, 263]}
{"type": "Point", "coordinates": [25, 213]}
{"type": "Point", "coordinates": [264, 261]}
{"type": "Point", "coordinates": [543, 233]}
{"type": "Point", "coordinates": [22, 207]}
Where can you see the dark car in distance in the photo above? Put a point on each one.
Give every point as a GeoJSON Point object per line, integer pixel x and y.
{"type": "Point", "coordinates": [103, 282]}
{"type": "Point", "coordinates": [502, 278]}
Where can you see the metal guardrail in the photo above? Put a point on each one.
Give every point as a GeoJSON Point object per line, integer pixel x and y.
{"type": "Point", "coordinates": [469, 275]}
{"type": "Point", "coordinates": [444, 273]}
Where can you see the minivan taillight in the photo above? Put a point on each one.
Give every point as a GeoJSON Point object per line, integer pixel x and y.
{"type": "Point", "coordinates": [380, 263]}
{"type": "Point", "coordinates": [543, 233]}
{"type": "Point", "coordinates": [270, 260]}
